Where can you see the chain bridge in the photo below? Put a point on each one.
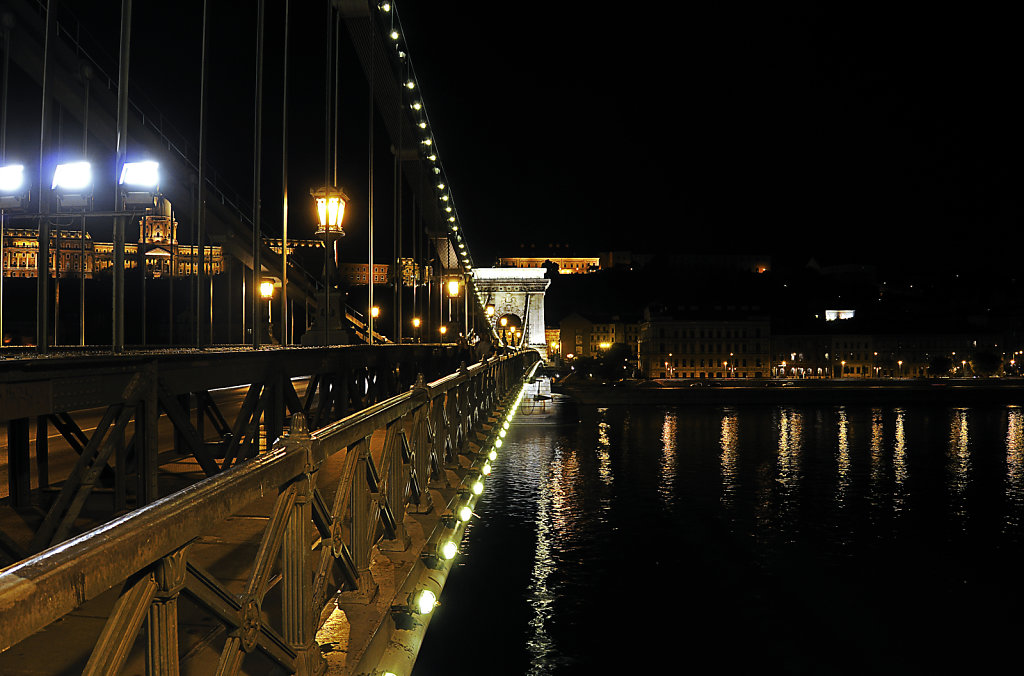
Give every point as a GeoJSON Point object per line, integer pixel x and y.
{"type": "Point", "coordinates": [224, 453]}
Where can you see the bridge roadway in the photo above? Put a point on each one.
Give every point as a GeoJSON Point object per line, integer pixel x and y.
{"type": "Point", "coordinates": [374, 494]}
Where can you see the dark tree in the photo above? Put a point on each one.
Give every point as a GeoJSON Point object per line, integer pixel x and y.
{"type": "Point", "coordinates": [986, 363]}
{"type": "Point", "coordinates": [940, 365]}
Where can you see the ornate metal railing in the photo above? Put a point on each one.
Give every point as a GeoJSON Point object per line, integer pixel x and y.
{"type": "Point", "coordinates": [327, 498]}
{"type": "Point", "coordinates": [126, 395]}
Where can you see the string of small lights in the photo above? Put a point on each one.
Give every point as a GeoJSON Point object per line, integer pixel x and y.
{"type": "Point", "coordinates": [429, 152]}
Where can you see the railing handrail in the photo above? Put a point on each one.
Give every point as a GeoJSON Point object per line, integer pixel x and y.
{"type": "Point", "coordinates": [40, 590]}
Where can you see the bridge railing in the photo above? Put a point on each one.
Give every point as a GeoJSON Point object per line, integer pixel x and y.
{"type": "Point", "coordinates": [337, 492]}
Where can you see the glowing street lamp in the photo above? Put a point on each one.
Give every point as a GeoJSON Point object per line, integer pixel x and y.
{"type": "Point", "coordinates": [330, 204]}
{"type": "Point", "coordinates": [453, 285]}
{"type": "Point", "coordinates": [330, 208]}
{"type": "Point", "coordinates": [267, 293]}
{"type": "Point", "coordinates": [443, 330]}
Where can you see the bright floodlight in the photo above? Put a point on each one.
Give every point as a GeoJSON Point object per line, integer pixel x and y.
{"type": "Point", "coordinates": [12, 178]}
{"type": "Point", "coordinates": [72, 176]}
{"type": "Point", "coordinates": [493, 455]}
{"type": "Point", "coordinates": [13, 188]}
{"type": "Point", "coordinates": [465, 513]}
{"type": "Point", "coordinates": [72, 182]}
{"type": "Point", "coordinates": [477, 487]}
{"type": "Point", "coordinates": [449, 550]}
{"type": "Point", "coordinates": [140, 174]}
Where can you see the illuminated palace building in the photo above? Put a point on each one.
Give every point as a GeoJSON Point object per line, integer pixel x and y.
{"type": "Point", "coordinates": [158, 243]}
{"type": "Point", "coordinates": [567, 265]}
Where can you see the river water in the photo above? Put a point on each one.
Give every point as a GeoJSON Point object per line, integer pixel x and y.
{"type": "Point", "coordinates": [717, 539]}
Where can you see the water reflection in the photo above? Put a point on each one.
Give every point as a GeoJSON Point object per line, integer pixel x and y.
{"type": "Point", "coordinates": [791, 432]}
{"type": "Point", "coordinates": [959, 464]}
{"type": "Point", "coordinates": [1014, 466]}
{"type": "Point", "coordinates": [667, 476]}
{"type": "Point", "coordinates": [604, 445]}
{"type": "Point", "coordinates": [543, 595]}
{"type": "Point", "coordinates": [899, 462]}
{"type": "Point", "coordinates": [842, 458]}
{"type": "Point", "coordinates": [729, 438]}
{"type": "Point", "coordinates": [876, 490]}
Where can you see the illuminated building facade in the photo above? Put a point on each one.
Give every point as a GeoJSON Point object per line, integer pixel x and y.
{"type": "Point", "coordinates": [567, 265]}
{"type": "Point", "coordinates": [158, 244]}
{"type": "Point", "coordinates": [719, 344]}
{"type": "Point", "coordinates": [580, 336]}
{"type": "Point", "coordinates": [356, 273]}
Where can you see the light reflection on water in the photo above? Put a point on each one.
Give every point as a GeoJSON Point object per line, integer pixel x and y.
{"type": "Point", "coordinates": [901, 472]}
{"type": "Point", "coordinates": [667, 475]}
{"type": "Point", "coordinates": [730, 473]}
{"type": "Point", "coordinates": [866, 519]}
{"type": "Point", "coordinates": [959, 464]}
{"type": "Point", "coordinates": [1014, 467]}
{"type": "Point", "coordinates": [842, 458]}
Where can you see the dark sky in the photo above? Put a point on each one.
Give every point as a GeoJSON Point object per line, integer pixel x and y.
{"type": "Point", "coordinates": [854, 130]}
{"type": "Point", "coordinates": [850, 132]}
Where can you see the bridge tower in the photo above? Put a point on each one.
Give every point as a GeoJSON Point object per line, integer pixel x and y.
{"type": "Point", "coordinates": [519, 292]}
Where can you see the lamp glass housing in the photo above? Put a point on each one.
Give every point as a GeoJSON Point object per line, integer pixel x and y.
{"type": "Point", "coordinates": [330, 208]}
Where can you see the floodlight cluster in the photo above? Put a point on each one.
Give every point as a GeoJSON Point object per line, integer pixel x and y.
{"type": "Point", "coordinates": [392, 27]}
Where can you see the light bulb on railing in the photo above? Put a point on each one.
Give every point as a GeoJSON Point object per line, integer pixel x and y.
{"type": "Point", "coordinates": [425, 602]}
{"type": "Point", "coordinates": [449, 550]}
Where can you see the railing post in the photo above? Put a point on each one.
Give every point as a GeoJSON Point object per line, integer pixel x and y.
{"type": "Point", "coordinates": [435, 445]}
{"type": "Point", "coordinates": [360, 526]}
{"type": "Point", "coordinates": [299, 615]}
{"type": "Point", "coordinates": [420, 448]}
{"type": "Point", "coordinates": [162, 634]}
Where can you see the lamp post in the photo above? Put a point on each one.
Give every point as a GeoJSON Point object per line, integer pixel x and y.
{"type": "Point", "coordinates": [267, 293]}
{"type": "Point", "coordinates": [453, 286]}
{"type": "Point", "coordinates": [330, 206]}
{"type": "Point", "coordinates": [416, 326]}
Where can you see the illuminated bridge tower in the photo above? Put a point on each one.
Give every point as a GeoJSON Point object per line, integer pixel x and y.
{"type": "Point", "coordinates": [516, 293]}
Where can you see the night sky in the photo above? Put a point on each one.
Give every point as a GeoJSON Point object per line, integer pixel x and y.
{"type": "Point", "coordinates": [847, 131]}
{"type": "Point", "coordinates": [852, 133]}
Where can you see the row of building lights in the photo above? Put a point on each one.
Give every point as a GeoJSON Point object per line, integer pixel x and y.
{"type": "Point", "coordinates": [423, 600]}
